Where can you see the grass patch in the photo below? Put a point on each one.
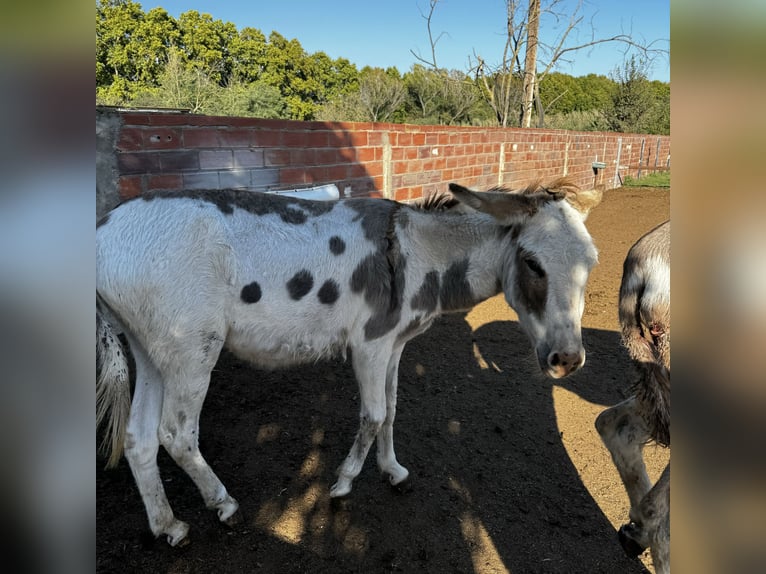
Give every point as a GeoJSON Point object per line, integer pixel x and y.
{"type": "Point", "coordinates": [656, 179]}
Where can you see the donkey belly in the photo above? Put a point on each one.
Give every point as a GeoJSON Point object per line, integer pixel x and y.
{"type": "Point", "coordinates": [289, 339]}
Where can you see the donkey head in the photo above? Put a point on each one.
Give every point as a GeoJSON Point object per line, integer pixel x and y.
{"type": "Point", "coordinates": [546, 265]}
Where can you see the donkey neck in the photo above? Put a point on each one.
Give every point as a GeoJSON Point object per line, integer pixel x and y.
{"type": "Point", "coordinates": [467, 251]}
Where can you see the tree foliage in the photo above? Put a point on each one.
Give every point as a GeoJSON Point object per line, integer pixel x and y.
{"type": "Point", "coordinates": [636, 104]}
{"type": "Point", "coordinates": [196, 62]}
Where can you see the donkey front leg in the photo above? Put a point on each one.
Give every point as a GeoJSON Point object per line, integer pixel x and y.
{"type": "Point", "coordinates": [386, 456]}
{"type": "Point", "coordinates": [370, 362]}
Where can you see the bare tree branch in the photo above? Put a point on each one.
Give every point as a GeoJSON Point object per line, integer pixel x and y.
{"type": "Point", "coordinates": [432, 62]}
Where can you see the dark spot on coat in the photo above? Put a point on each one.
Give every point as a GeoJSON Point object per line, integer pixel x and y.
{"type": "Point", "coordinates": [427, 296]}
{"type": "Point", "coordinates": [337, 245]}
{"type": "Point", "coordinates": [376, 217]}
{"type": "Point", "coordinates": [300, 284]}
{"type": "Point", "coordinates": [380, 275]}
{"type": "Point", "coordinates": [455, 293]}
{"type": "Point", "coordinates": [251, 293]}
{"type": "Point", "coordinates": [328, 293]}
{"type": "Point", "coordinates": [291, 210]}
{"type": "Point", "coordinates": [531, 283]}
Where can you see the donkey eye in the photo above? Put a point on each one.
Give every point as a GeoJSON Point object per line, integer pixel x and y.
{"type": "Point", "coordinates": [534, 266]}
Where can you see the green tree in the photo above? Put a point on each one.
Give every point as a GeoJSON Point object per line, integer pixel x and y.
{"type": "Point", "coordinates": [424, 88]}
{"type": "Point", "coordinates": [131, 48]}
{"type": "Point", "coordinates": [596, 91]}
{"type": "Point", "coordinates": [180, 86]}
{"type": "Point", "coordinates": [632, 103]}
{"type": "Point", "coordinates": [248, 54]}
{"type": "Point", "coordinates": [253, 99]}
{"type": "Point", "coordinates": [660, 117]}
{"type": "Point", "coordinates": [381, 94]}
{"type": "Point", "coordinates": [206, 43]}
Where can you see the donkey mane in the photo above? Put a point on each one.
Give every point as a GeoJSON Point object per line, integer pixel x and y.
{"type": "Point", "coordinates": [444, 201]}
{"type": "Point", "coordinates": [560, 186]}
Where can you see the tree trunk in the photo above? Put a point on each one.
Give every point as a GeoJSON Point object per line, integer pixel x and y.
{"type": "Point", "coordinates": [530, 64]}
{"type": "Point", "coordinates": [539, 107]}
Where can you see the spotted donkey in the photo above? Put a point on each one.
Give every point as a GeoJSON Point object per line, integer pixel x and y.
{"type": "Point", "coordinates": [282, 281]}
{"type": "Point", "coordinates": [644, 311]}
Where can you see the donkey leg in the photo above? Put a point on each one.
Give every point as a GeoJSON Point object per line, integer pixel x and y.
{"type": "Point", "coordinates": [142, 445]}
{"type": "Point", "coordinates": [179, 434]}
{"type": "Point", "coordinates": [370, 368]}
{"type": "Point", "coordinates": [386, 456]}
{"type": "Point", "coordinates": [655, 514]}
{"type": "Point", "coordinates": [624, 433]}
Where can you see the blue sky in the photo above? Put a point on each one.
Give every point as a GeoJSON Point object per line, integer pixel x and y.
{"type": "Point", "coordinates": [383, 34]}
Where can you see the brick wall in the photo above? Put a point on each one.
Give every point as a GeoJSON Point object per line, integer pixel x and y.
{"type": "Point", "coordinates": [167, 150]}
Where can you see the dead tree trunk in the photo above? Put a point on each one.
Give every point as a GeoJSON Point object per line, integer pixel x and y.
{"type": "Point", "coordinates": [530, 64]}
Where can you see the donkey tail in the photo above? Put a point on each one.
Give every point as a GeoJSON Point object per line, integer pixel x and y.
{"type": "Point", "coordinates": [112, 390]}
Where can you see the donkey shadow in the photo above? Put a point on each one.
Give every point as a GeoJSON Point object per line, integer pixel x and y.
{"type": "Point", "coordinates": [522, 484]}
{"type": "Point", "coordinates": [493, 487]}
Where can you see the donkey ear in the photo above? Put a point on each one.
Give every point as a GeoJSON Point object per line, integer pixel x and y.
{"type": "Point", "coordinates": [466, 196]}
{"type": "Point", "coordinates": [505, 207]}
{"type": "Point", "coordinates": [584, 201]}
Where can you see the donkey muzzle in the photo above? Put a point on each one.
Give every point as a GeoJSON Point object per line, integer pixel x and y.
{"type": "Point", "coordinates": [559, 364]}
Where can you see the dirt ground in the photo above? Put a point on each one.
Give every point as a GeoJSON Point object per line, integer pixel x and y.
{"type": "Point", "coordinates": [508, 472]}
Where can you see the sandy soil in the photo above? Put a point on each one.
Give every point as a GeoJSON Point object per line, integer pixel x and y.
{"type": "Point", "coordinates": [508, 472]}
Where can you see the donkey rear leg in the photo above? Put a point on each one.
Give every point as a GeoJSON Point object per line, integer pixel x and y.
{"type": "Point", "coordinates": [370, 369]}
{"type": "Point", "coordinates": [179, 433]}
{"type": "Point", "coordinates": [386, 456]}
{"type": "Point", "coordinates": [624, 433]}
{"type": "Point", "coordinates": [142, 445]}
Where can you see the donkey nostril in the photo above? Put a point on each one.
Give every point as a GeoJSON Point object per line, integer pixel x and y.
{"type": "Point", "coordinates": [554, 359]}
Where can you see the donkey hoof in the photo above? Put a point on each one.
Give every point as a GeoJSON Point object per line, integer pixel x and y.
{"type": "Point", "coordinates": [228, 512]}
{"type": "Point", "coordinates": [629, 545]}
{"type": "Point", "coordinates": [178, 534]}
{"type": "Point", "coordinates": [234, 520]}
{"type": "Point", "coordinates": [341, 488]}
{"type": "Point", "coordinates": [403, 486]}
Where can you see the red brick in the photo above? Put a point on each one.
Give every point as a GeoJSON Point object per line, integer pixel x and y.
{"type": "Point", "coordinates": [235, 137]}
{"type": "Point", "coordinates": [266, 138]}
{"type": "Point", "coordinates": [131, 139]}
{"type": "Point", "coordinates": [134, 119]}
{"type": "Point", "coordinates": [131, 186]}
{"type": "Point", "coordinates": [365, 154]}
{"type": "Point", "coordinates": [337, 172]}
{"type": "Point", "coordinates": [178, 161]}
{"type": "Point", "coordinates": [292, 176]}
{"type": "Point", "coordinates": [276, 157]}
{"type": "Point", "coordinates": [162, 138]}
{"type": "Point", "coordinates": [357, 170]}
{"type": "Point", "coordinates": [200, 137]}
{"type": "Point", "coordinates": [304, 157]}
{"type": "Point", "coordinates": [173, 119]}
{"type": "Point", "coordinates": [137, 162]}
{"type": "Point", "coordinates": [291, 139]}
{"type": "Point", "coordinates": [317, 139]}
{"type": "Point", "coordinates": [374, 169]}
{"type": "Point", "coordinates": [168, 181]}
{"type": "Point", "coordinates": [358, 139]}
{"type": "Point", "coordinates": [346, 155]}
